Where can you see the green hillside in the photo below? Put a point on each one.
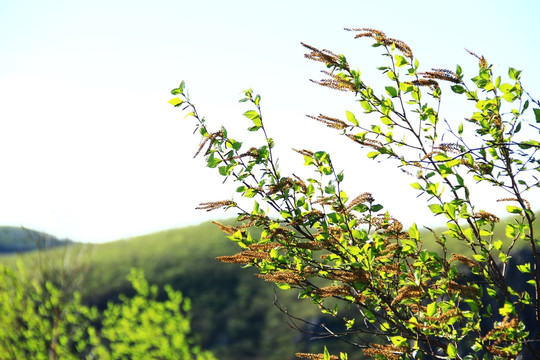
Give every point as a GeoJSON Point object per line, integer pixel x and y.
{"type": "Point", "coordinates": [233, 311]}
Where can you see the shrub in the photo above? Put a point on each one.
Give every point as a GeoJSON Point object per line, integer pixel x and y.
{"type": "Point", "coordinates": [327, 244]}
{"type": "Point", "coordinates": [40, 322]}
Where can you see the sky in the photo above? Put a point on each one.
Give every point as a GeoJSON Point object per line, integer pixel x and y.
{"type": "Point", "coordinates": [90, 149]}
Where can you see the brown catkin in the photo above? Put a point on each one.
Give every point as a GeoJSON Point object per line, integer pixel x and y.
{"type": "Point", "coordinates": [283, 277]}
{"type": "Point", "coordinates": [390, 352]}
{"type": "Point", "coordinates": [336, 290]}
{"type": "Point", "coordinates": [464, 260]}
{"type": "Point", "coordinates": [213, 205]}
{"type": "Point", "coordinates": [314, 356]}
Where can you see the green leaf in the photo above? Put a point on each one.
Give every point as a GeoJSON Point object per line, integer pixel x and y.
{"type": "Point", "coordinates": [444, 170]}
{"type": "Point", "coordinates": [452, 351]}
{"type": "Point", "coordinates": [231, 143]}
{"type": "Point", "coordinates": [431, 309]}
{"type": "Point", "coordinates": [373, 154]}
{"type": "Point", "coordinates": [399, 340]}
{"type": "Point", "coordinates": [283, 286]}
{"type": "Point", "coordinates": [179, 89]}
{"type": "Point", "coordinates": [322, 156]}
{"type": "Point", "coordinates": [386, 121]}
{"type": "Point", "coordinates": [510, 97]}
{"type": "Point", "coordinates": [175, 102]}
{"type": "Point", "coordinates": [392, 91]}
{"type": "Point", "coordinates": [407, 87]}
{"type": "Point", "coordinates": [537, 115]}
{"type": "Point", "coordinates": [250, 193]}
{"type": "Point", "coordinates": [417, 186]}
{"type": "Point", "coordinates": [514, 209]}
{"type": "Point", "coordinates": [436, 208]}
{"type": "Point", "coordinates": [525, 268]}
{"type": "Point", "coordinates": [352, 118]}
{"type": "Point", "coordinates": [458, 89]}
{"type": "Point", "coordinates": [226, 169]}
{"type": "Point", "coordinates": [254, 116]}
{"type": "Point", "coordinates": [400, 61]}
{"type": "Point", "coordinates": [223, 170]}
{"type": "Point", "coordinates": [507, 309]}
{"type": "Point", "coordinates": [326, 354]}
{"type": "Point", "coordinates": [366, 106]}
{"type": "Point", "coordinates": [505, 87]}
{"type": "Point", "coordinates": [413, 232]}
{"type": "Point", "coordinates": [510, 231]}
{"type": "Point", "coordinates": [212, 162]}
{"type": "Point", "coordinates": [514, 74]}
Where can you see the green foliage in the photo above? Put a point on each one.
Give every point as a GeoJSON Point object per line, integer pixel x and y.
{"type": "Point", "coordinates": [240, 323]}
{"type": "Point", "coordinates": [143, 328]}
{"type": "Point", "coordinates": [41, 322]}
{"type": "Point", "coordinates": [342, 252]}
{"type": "Point", "coordinates": [38, 322]}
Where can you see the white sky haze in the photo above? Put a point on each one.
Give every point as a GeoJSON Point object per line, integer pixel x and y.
{"type": "Point", "coordinates": [91, 150]}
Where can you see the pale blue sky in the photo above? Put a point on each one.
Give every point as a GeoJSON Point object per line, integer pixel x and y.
{"type": "Point", "coordinates": [91, 150]}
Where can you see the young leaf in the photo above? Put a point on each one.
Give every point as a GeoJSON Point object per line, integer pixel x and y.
{"type": "Point", "coordinates": [254, 116]}
{"type": "Point", "coordinates": [431, 309]}
{"type": "Point", "coordinates": [400, 61]}
{"type": "Point", "coordinates": [352, 118]}
{"type": "Point", "coordinates": [392, 91]}
{"type": "Point", "coordinates": [514, 74]}
{"type": "Point", "coordinates": [175, 102]}
{"type": "Point", "coordinates": [513, 209]}
{"type": "Point", "coordinates": [458, 89]}
{"type": "Point", "coordinates": [417, 186]}
{"type": "Point", "coordinates": [413, 232]}
{"type": "Point", "coordinates": [367, 107]}
{"type": "Point", "coordinates": [436, 208]}
{"type": "Point", "coordinates": [537, 115]}
{"type": "Point", "coordinates": [452, 351]}
{"type": "Point", "coordinates": [326, 354]}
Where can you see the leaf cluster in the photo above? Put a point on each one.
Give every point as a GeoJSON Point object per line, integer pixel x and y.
{"type": "Point", "coordinates": [328, 245]}
{"type": "Point", "coordinates": [41, 322]}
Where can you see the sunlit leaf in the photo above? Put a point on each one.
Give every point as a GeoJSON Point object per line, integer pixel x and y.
{"type": "Point", "coordinates": [352, 118]}
{"type": "Point", "coordinates": [175, 102]}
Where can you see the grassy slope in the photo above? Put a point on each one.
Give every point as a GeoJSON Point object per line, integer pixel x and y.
{"type": "Point", "coordinates": [233, 311]}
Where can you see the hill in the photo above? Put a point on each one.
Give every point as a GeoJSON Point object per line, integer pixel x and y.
{"type": "Point", "coordinates": [233, 311]}
{"type": "Point", "coordinates": [18, 239]}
